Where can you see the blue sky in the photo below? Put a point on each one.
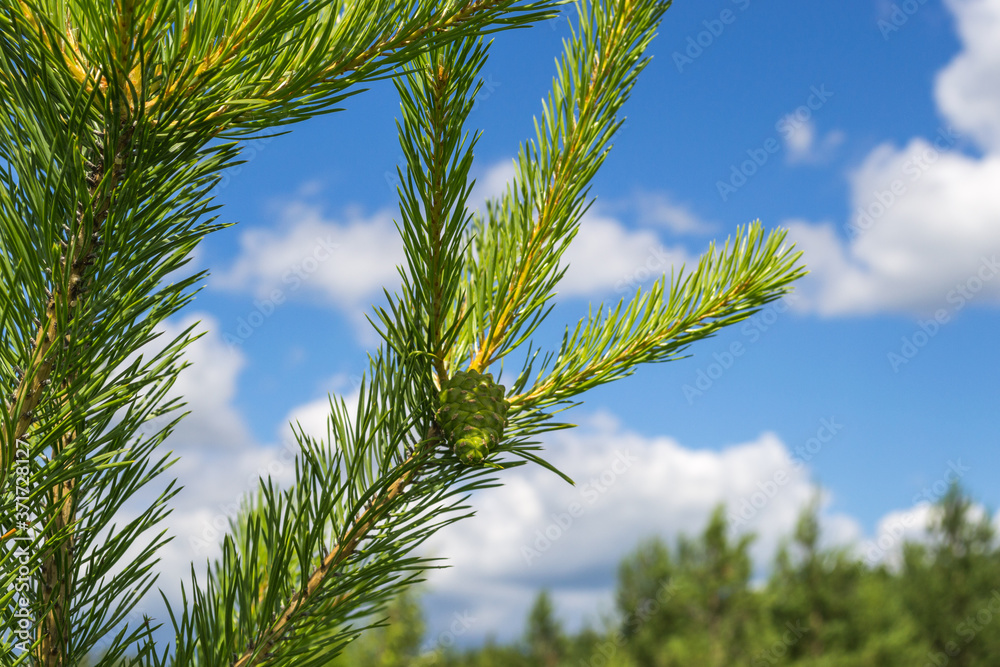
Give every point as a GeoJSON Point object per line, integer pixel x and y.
{"type": "Point", "coordinates": [845, 101]}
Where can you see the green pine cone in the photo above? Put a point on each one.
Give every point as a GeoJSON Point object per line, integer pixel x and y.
{"type": "Point", "coordinates": [473, 414]}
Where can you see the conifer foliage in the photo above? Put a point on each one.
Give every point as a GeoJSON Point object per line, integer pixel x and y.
{"type": "Point", "coordinates": [117, 118]}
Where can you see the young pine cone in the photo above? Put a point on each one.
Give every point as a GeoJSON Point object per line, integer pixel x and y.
{"type": "Point", "coordinates": [473, 414]}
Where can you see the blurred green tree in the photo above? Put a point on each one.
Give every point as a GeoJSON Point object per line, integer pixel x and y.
{"type": "Point", "coordinates": [693, 606]}
{"type": "Point", "coordinates": [543, 637]}
{"type": "Point", "coordinates": [395, 642]}
{"type": "Point", "coordinates": [951, 584]}
{"type": "Point", "coordinates": [826, 608]}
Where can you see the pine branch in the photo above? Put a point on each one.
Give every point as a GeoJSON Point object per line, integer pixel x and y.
{"type": "Point", "coordinates": [540, 211]}
{"type": "Point", "coordinates": [65, 301]}
{"type": "Point", "coordinates": [437, 97]}
{"type": "Point", "coordinates": [725, 288]}
{"type": "Point", "coordinates": [78, 255]}
{"type": "Point", "coordinates": [113, 64]}
{"type": "Point", "coordinates": [377, 499]}
{"type": "Point", "coordinates": [71, 204]}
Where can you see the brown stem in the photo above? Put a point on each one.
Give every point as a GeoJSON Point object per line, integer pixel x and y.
{"type": "Point", "coordinates": [438, 120]}
{"type": "Point", "coordinates": [57, 572]}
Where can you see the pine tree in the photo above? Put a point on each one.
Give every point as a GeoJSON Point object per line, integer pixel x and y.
{"type": "Point", "coordinates": [646, 578]}
{"type": "Point", "coordinates": [951, 585]}
{"type": "Point", "coordinates": [544, 636]}
{"type": "Point", "coordinates": [716, 573]}
{"type": "Point", "coordinates": [828, 609]}
{"type": "Point", "coordinates": [692, 605]}
{"type": "Point", "coordinates": [117, 118]}
{"type": "Point", "coordinates": [813, 592]}
{"type": "Point", "coordinates": [396, 642]}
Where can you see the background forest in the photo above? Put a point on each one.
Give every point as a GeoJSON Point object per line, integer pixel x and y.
{"type": "Point", "coordinates": [696, 603]}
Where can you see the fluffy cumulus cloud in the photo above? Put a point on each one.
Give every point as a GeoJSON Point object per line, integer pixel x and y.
{"type": "Point", "coordinates": [922, 234]}
{"type": "Point", "coordinates": [343, 261]}
{"type": "Point", "coordinates": [968, 89]}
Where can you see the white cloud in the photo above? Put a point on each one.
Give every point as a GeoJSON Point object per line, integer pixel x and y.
{"type": "Point", "coordinates": [803, 143]}
{"type": "Point", "coordinates": [924, 224]}
{"type": "Point", "coordinates": [659, 209]}
{"type": "Point", "coordinates": [343, 262]}
{"type": "Point", "coordinates": [968, 89]}
{"type": "Point", "coordinates": [799, 139]}
{"type": "Point", "coordinates": [923, 233]}
{"type": "Point", "coordinates": [606, 257]}
{"type": "Point", "coordinates": [209, 387]}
